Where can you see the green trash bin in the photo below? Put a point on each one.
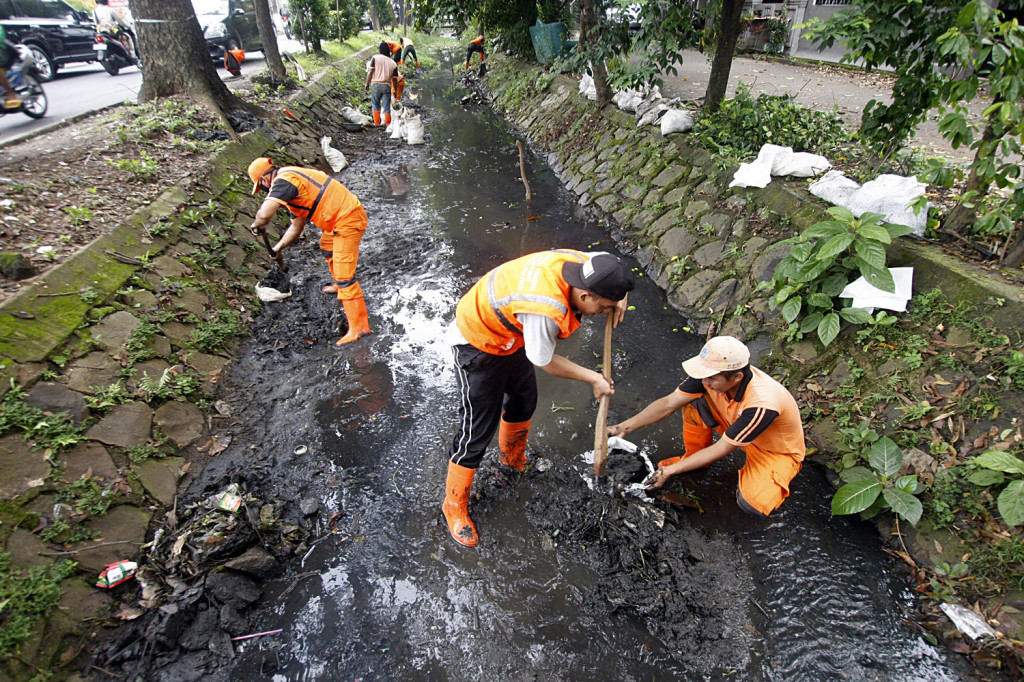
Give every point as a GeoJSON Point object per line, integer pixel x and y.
{"type": "Point", "coordinates": [550, 41]}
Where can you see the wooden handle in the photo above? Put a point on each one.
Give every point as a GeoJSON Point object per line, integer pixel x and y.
{"type": "Point", "coordinates": [601, 428]}
{"type": "Point", "coordinates": [278, 259]}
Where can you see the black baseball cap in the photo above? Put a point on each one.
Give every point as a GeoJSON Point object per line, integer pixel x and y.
{"type": "Point", "coordinates": [604, 275]}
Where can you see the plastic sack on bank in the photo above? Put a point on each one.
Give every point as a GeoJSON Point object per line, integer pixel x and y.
{"type": "Point", "coordinates": [334, 157]}
{"type": "Point", "coordinates": [650, 115]}
{"type": "Point", "coordinates": [397, 124]}
{"type": "Point", "coordinates": [415, 130]}
{"type": "Point", "coordinates": [780, 161]}
{"type": "Point", "coordinates": [889, 195]}
{"type": "Point", "coordinates": [353, 116]}
{"type": "Point", "coordinates": [587, 87]}
{"type": "Point", "coordinates": [676, 121]}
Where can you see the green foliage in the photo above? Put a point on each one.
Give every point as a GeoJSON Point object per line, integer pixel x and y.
{"type": "Point", "coordinates": [171, 384]}
{"type": "Point", "coordinates": [89, 296]}
{"type": "Point", "coordinates": [210, 334]}
{"type": "Point", "coordinates": [87, 496]}
{"type": "Point", "coordinates": [140, 453]}
{"type": "Point", "coordinates": [79, 215]}
{"type": "Point", "coordinates": [143, 169]}
{"type": "Point", "coordinates": [996, 464]}
{"type": "Point", "coordinates": [344, 19]}
{"type": "Point", "coordinates": [854, 440]}
{"type": "Point", "coordinates": [315, 19]}
{"type": "Point", "coordinates": [108, 398]}
{"type": "Point", "coordinates": [26, 598]}
{"type": "Point", "coordinates": [54, 431]}
{"type": "Point", "coordinates": [743, 125]}
{"type": "Point", "coordinates": [138, 346]}
{"type": "Point", "coordinates": [875, 489]}
{"type": "Point", "coordinates": [819, 266]}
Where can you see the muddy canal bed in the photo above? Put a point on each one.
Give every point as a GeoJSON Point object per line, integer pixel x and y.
{"type": "Point", "coordinates": [348, 449]}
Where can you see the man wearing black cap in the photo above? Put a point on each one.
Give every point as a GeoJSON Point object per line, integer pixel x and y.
{"type": "Point", "coordinates": [508, 323]}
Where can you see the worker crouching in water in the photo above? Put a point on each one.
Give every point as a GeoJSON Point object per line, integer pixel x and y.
{"type": "Point", "coordinates": [312, 196]}
{"type": "Point", "coordinates": [507, 324]}
{"type": "Point", "coordinates": [747, 408]}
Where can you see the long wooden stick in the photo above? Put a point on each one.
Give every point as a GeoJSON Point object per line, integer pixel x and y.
{"type": "Point", "coordinates": [522, 173]}
{"type": "Point", "coordinates": [601, 429]}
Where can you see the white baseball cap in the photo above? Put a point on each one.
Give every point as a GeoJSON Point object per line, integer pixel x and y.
{"type": "Point", "coordinates": [720, 354]}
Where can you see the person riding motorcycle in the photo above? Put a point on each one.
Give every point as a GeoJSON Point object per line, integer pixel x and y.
{"type": "Point", "coordinates": [110, 22]}
{"type": "Point", "coordinates": [12, 100]}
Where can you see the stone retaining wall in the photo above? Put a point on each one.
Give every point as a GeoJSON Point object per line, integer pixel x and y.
{"type": "Point", "coordinates": [708, 246]}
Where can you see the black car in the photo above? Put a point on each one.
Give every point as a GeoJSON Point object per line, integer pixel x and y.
{"type": "Point", "coordinates": [55, 32]}
{"type": "Point", "coordinates": [228, 25]}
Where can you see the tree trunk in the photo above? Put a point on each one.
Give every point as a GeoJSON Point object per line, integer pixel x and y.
{"type": "Point", "coordinates": [401, 8]}
{"type": "Point", "coordinates": [175, 59]}
{"type": "Point", "coordinates": [961, 216]}
{"type": "Point", "coordinates": [268, 36]}
{"type": "Point", "coordinates": [1013, 256]}
{"type": "Point", "coordinates": [589, 34]}
{"type": "Point", "coordinates": [374, 17]}
{"type": "Point", "coordinates": [728, 33]}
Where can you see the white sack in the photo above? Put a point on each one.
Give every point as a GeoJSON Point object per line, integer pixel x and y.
{"type": "Point", "coordinates": [587, 87]}
{"type": "Point", "coordinates": [967, 621]}
{"type": "Point", "coordinates": [653, 115]}
{"type": "Point", "coordinates": [867, 296]}
{"type": "Point", "coordinates": [270, 294]}
{"type": "Point", "coordinates": [834, 187]}
{"type": "Point", "coordinates": [799, 164]}
{"type": "Point", "coordinates": [676, 121]}
{"type": "Point", "coordinates": [776, 160]}
{"type": "Point", "coordinates": [396, 128]}
{"type": "Point", "coordinates": [334, 157]}
{"type": "Point", "coordinates": [890, 195]}
{"type": "Point", "coordinates": [757, 173]}
{"type": "Point", "coordinates": [353, 116]}
{"type": "Point", "coordinates": [416, 130]}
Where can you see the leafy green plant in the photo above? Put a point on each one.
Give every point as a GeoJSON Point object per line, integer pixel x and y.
{"type": "Point", "coordinates": [79, 215]}
{"type": "Point", "coordinates": [211, 333]}
{"type": "Point", "coordinates": [108, 398]}
{"type": "Point", "coordinates": [854, 440]}
{"type": "Point", "coordinates": [143, 169]}
{"type": "Point", "coordinates": [26, 598]}
{"type": "Point", "coordinates": [140, 453]}
{"type": "Point", "coordinates": [996, 464]}
{"type": "Point", "coordinates": [869, 491]}
{"type": "Point", "coordinates": [819, 265]}
{"type": "Point", "coordinates": [89, 296]}
{"type": "Point", "coordinates": [55, 431]}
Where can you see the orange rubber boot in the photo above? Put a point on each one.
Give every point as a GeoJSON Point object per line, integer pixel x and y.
{"type": "Point", "coordinates": [467, 63]}
{"type": "Point", "coordinates": [512, 443]}
{"type": "Point", "coordinates": [358, 324]}
{"type": "Point", "coordinates": [456, 504]}
{"type": "Point", "coordinates": [376, 118]}
{"type": "Point", "coordinates": [387, 119]}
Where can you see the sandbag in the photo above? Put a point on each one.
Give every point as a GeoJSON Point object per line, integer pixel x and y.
{"type": "Point", "coordinates": [676, 121]}
{"type": "Point", "coordinates": [396, 128]}
{"type": "Point", "coordinates": [834, 187]}
{"type": "Point", "coordinates": [799, 164]}
{"type": "Point", "coordinates": [652, 115]}
{"type": "Point", "coordinates": [587, 87]}
{"type": "Point", "coordinates": [416, 131]}
{"type": "Point", "coordinates": [890, 195]}
{"type": "Point", "coordinates": [353, 116]}
{"type": "Point", "coordinates": [775, 160]}
{"type": "Point", "coordinates": [334, 157]}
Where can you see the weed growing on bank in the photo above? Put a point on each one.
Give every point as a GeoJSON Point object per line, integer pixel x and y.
{"type": "Point", "coordinates": [25, 598]}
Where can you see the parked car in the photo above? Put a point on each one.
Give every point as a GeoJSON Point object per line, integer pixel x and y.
{"type": "Point", "coordinates": [628, 13]}
{"type": "Point", "coordinates": [55, 32]}
{"type": "Point", "coordinates": [228, 24]}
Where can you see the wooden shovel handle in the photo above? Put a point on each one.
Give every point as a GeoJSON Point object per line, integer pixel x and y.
{"type": "Point", "coordinates": [601, 428]}
{"type": "Point", "coordinates": [278, 259]}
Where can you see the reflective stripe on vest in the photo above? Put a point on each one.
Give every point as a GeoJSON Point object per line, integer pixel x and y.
{"type": "Point", "coordinates": [316, 202]}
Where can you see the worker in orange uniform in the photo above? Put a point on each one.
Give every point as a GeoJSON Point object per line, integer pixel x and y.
{"type": "Point", "coordinates": [475, 45]}
{"type": "Point", "coordinates": [382, 80]}
{"type": "Point", "coordinates": [395, 50]}
{"type": "Point", "coordinates": [747, 408]}
{"type": "Point", "coordinates": [312, 196]}
{"type": "Point", "coordinates": [507, 324]}
{"type": "Point", "coordinates": [233, 61]}
{"type": "Point", "coordinates": [409, 49]}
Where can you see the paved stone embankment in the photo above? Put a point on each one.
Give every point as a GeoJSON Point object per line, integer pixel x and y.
{"type": "Point", "coordinates": [128, 339]}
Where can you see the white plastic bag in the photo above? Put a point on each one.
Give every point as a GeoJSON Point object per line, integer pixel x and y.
{"type": "Point", "coordinates": [676, 121]}
{"type": "Point", "coordinates": [416, 131]}
{"type": "Point", "coordinates": [396, 128]}
{"type": "Point", "coordinates": [652, 115]}
{"type": "Point", "coordinates": [587, 87]}
{"type": "Point", "coordinates": [834, 187]}
{"type": "Point", "coordinates": [353, 116]}
{"type": "Point", "coordinates": [334, 157]}
{"type": "Point", "coordinates": [890, 195]}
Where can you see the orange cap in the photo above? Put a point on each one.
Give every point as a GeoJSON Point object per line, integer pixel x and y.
{"type": "Point", "coordinates": [257, 169]}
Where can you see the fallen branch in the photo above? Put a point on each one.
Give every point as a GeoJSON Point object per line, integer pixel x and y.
{"type": "Point", "coordinates": [86, 549]}
{"type": "Point", "coordinates": [124, 259]}
{"type": "Point", "coordinates": [522, 173]}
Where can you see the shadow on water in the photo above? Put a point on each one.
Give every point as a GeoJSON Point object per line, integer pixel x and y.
{"type": "Point", "coordinates": [388, 595]}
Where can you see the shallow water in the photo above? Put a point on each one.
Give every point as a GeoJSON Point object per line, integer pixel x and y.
{"type": "Point", "coordinates": [389, 595]}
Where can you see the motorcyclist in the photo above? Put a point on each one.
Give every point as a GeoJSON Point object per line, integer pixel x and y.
{"type": "Point", "coordinates": [109, 21]}
{"type": "Point", "coordinates": [12, 100]}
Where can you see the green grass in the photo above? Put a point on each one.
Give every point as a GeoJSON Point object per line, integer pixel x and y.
{"type": "Point", "coordinates": [54, 431]}
{"type": "Point", "coordinates": [26, 598]}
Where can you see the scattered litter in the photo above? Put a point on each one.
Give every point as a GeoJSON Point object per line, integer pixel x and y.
{"type": "Point", "coordinates": [258, 634]}
{"type": "Point", "coordinates": [229, 500]}
{"type": "Point", "coordinates": [869, 297]}
{"type": "Point", "coordinates": [45, 249]}
{"type": "Point", "coordinates": [775, 160]}
{"type": "Point", "coordinates": [270, 294]}
{"type": "Point", "coordinates": [967, 621]}
{"type": "Point", "coordinates": [301, 450]}
{"type": "Point", "coordinates": [889, 195]}
{"type": "Point", "coordinates": [116, 573]}
{"type": "Point", "coordinates": [334, 157]}
{"type": "Point", "coordinates": [543, 464]}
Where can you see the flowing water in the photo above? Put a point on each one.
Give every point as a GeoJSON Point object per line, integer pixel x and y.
{"type": "Point", "coordinates": [386, 594]}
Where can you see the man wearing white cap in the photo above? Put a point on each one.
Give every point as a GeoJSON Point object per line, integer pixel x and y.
{"type": "Point", "coordinates": [747, 408]}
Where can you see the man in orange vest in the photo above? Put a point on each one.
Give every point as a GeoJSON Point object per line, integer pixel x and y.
{"type": "Point", "coordinates": [505, 325]}
{"type": "Point", "coordinates": [749, 409]}
{"type": "Point", "coordinates": [312, 196]}
{"type": "Point", "coordinates": [475, 45]}
{"type": "Point", "coordinates": [395, 50]}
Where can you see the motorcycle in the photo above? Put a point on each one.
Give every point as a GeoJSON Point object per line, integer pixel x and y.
{"type": "Point", "coordinates": [24, 78]}
{"type": "Point", "coordinates": [113, 53]}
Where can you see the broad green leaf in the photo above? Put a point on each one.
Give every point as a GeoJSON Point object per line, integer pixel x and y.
{"type": "Point", "coordinates": [828, 328]}
{"type": "Point", "coordinates": [871, 251]}
{"type": "Point", "coordinates": [855, 315]}
{"type": "Point", "coordinates": [908, 484]}
{"type": "Point", "coordinates": [833, 285]}
{"type": "Point", "coordinates": [820, 300]}
{"type": "Point", "coordinates": [857, 473]}
{"type": "Point", "coordinates": [809, 323]}
{"type": "Point", "coordinates": [987, 477]}
{"type": "Point", "coordinates": [1000, 461]}
{"type": "Point", "coordinates": [1011, 503]}
{"type": "Point", "coordinates": [843, 215]}
{"type": "Point", "coordinates": [896, 231]}
{"type": "Point", "coordinates": [904, 504]}
{"type": "Point", "coordinates": [784, 293]}
{"type": "Point", "coordinates": [826, 229]}
{"type": "Point", "coordinates": [879, 277]}
{"type": "Point", "coordinates": [834, 246]}
{"type": "Point", "coordinates": [856, 496]}
{"type": "Point", "coordinates": [870, 218]}
{"type": "Point", "coordinates": [786, 268]}
{"type": "Point", "coordinates": [876, 232]}
{"type": "Point", "coordinates": [885, 457]}
{"type": "Point", "coordinates": [800, 252]}
{"type": "Point", "coordinates": [876, 508]}
{"type": "Point", "coordinates": [811, 270]}
{"type": "Point", "coordinates": [791, 309]}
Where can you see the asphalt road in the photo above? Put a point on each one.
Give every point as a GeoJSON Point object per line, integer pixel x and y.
{"type": "Point", "coordinates": [82, 88]}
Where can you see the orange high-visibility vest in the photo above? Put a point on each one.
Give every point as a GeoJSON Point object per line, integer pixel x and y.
{"type": "Point", "coordinates": [322, 200]}
{"type": "Point", "coordinates": [394, 47]}
{"type": "Point", "coordinates": [479, 40]}
{"type": "Point", "coordinates": [486, 315]}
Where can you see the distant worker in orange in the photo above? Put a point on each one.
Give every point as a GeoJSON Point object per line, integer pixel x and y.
{"type": "Point", "coordinates": [382, 80]}
{"type": "Point", "coordinates": [506, 325]}
{"type": "Point", "coordinates": [748, 409]}
{"type": "Point", "coordinates": [475, 45]}
{"type": "Point", "coordinates": [409, 49]}
{"type": "Point", "coordinates": [395, 49]}
{"type": "Point", "coordinates": [233, 61]}
{"type": "Point", "coordinates": [312, 196]}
